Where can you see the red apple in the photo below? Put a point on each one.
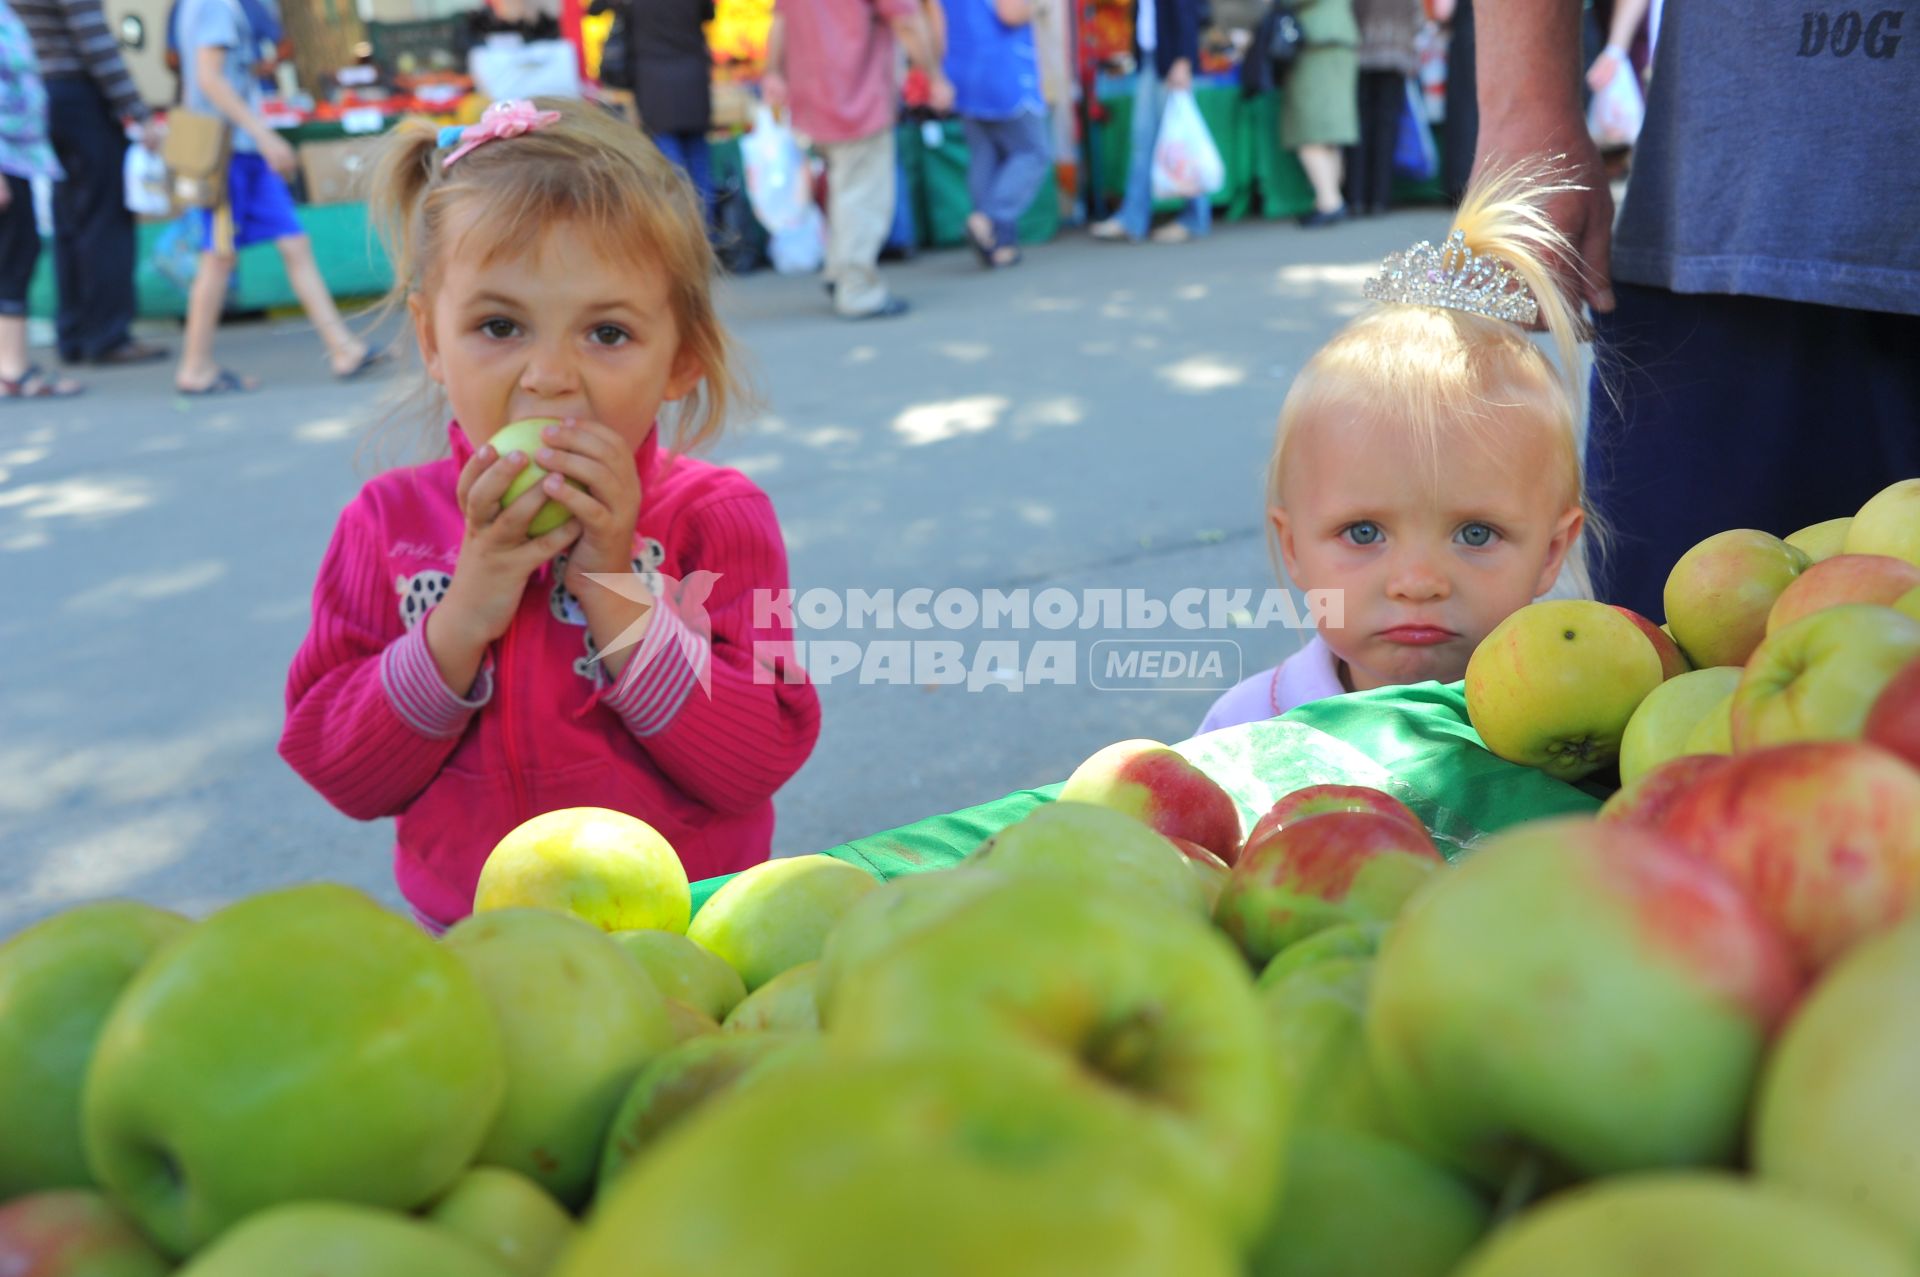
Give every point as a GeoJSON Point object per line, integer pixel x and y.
{"type": "Point", "coordinates": [1212, 870]}
{"type": "Point", "coordinates": [1644, 800]}
{"type": "Point", "coordinates": [1336, 867]}
{"type": "Point", "coordinates": [1845, 578]}
{"type": "Point", "coordinates": [1672, 660]}
{"type": "Point", "coordinates": [1894, 722]}
{"type": "Point", "coordinates": [1824, 836]}
{"type": "Point", "coordinates": [1316, 799]}
{"type": "Point", "coordinates": [73, 1232]}
{"type": "Point", "coordinates": [1154, 784]}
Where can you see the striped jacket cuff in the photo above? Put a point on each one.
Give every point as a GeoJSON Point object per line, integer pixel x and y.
{"type": "Point", "coordinates": [660, 674]}
{"type": "Point", "coordinates": [412, 682]}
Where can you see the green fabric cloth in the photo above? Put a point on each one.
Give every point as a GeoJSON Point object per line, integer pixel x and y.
{"type": "Point", "coordinates": [1327, 22]}
{"type": "Point", "coordinates": [1413, 742]}
{"type": "Point", "coordinates": [1322, 98]}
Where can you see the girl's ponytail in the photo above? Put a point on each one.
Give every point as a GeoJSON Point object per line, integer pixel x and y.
{"type": "Point", "coordinates": [400, 180]}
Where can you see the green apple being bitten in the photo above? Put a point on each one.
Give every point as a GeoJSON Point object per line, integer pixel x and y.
{"type": "Point", "coordinates": [524, 437]}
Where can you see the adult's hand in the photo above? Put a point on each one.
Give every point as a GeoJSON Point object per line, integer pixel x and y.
{"type": "Point", "coordinates": [152, 135]}
{"type": "Point", "coordinates": [940, 93]}
{"type": "Point", "coordinates": [773, 91]}
{"type": "Point", "coordinates": [1583, 215]}
{"type": "Point", "coordinates": [1180, 75]}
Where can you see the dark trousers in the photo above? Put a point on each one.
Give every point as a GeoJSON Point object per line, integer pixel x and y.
{"type": "Point", "coordinates": [19, 247]}
{"type": "Point", "coordinates": [1383, 100]}
{"type": "Point", "coordinates": [691, 152]}
{"type": "Point", "coordinates": [1462, 129]}
{"type": "Point", "coordinates": [93, 241]}
{"type": "Point", "coordinates": [1740, 412]}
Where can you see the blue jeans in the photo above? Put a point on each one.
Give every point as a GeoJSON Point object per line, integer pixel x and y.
{"type": "Point", "coordinates": [1006, 164]}
{"type": "Point", "coordinates": [690, 152]}
{"type": "Point", "coordinates": [1136, 210]}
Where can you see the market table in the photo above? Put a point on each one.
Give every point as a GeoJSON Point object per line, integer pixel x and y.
{"type": "Point", "coordinates": [1413, 742]}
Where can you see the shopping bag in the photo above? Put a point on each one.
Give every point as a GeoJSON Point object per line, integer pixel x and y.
{"type": "Point", "coordinates": [1617, 110]}
{"type": "Point", "coordinates": [1186, 163]}
{"type": "Point", "coordinates": [197, 151]}
{"type": "Point", "coordinates": [1414, 155]}
{"type": "Point", "coordinates": [778, 185]}
{"type": "Point", "coordinates": [149, 190]}
{"type": "Point", "coordinates": [800, 249]}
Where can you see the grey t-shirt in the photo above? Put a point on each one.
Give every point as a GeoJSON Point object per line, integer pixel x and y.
{"type": "Point", "coordinates": [1781, 155]}
{"type": "Point", "coordinates": [220, 24]}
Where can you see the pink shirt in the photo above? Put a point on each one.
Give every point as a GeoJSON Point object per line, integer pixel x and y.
{"type": "Point", "coordinates": [1310, 674]}
{"type": "Point", "coordinates": [842, 65]}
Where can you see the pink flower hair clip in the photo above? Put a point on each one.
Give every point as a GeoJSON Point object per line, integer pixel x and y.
{"type": "Point", "coordinates": [501, 120]}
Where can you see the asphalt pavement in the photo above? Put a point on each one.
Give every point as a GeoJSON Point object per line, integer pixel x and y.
{"type": "Point", "coordinates": [1093, 422]}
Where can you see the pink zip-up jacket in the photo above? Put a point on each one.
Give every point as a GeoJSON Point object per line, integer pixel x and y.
{"type": "Point", "coordinates": [374, 728]}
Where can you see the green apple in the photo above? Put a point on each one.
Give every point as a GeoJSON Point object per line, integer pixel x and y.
{"type": "Point", "coordinates": [689, 1022]}
{"type": "Point", "coordinates": [524, 436]}
{"type": "Point", "coordinates": [1821, 541]}
{"type": "Point", "coordinates": [677, 1085]}
{"type": "Point", "coordinates": [1908, 604]}
{"type": "Point", "coordinates": [1719, 593]}
{"type": "Point", "coordinates": [1555, 683]}
{"type": "Point", "coordinates": [334, 1239]}
{"type": "Point", "coordinates": [612, 869]}
{"type": "Point", "coordinates": [1578, 996]}
{"type": "Point", "coordinates": [1152, 1009]}
{"type": "Point", "coordinates": [1348, 940]}
{"type": "Point", "coordinates": [579, 1020]}
{"type": "Point", "coordinates": [879, 919]}
{"type": "Point", "coordinates": [1317, 1014]}
{"type": "Point", "coordinates": [952, 1162]}
{"type": "Point", "coordinates": [1817, 678]}
{"type": "Point", "coordinates": [507, 1216]}
{"type": "Point", "coordinates": [1839, 1110]}
{"type": "Point", "coordinates": [789, 1002]}
{"type": "Point", "coordinates": [1212, 871]}
{"type": "Point", "coordinates": [1663, 726]}
{"type": "Point", "coordinates": [682, 969]}
{"type": "Point", "coordinates": [1846, 578]}
{"type": "Point", "coordinates": [73, 1232]}
{"type": "Point", "coordinates": [58, 980]}
{"type": "Point", "coordinates": [1694, 1223]}
{"type": "Point", "coordinates": [304, 1043]}
{"type": "Point", "coordinates": [1088, 843]}
{"type": "Point", "coordinates": [1159, 787]}
{"type": "Point", "coordinates": [776, 915]}
{"type": "Point", "coordinates": [1889, 523]}
{"type": "Point", "coordinates": [1713, 734]}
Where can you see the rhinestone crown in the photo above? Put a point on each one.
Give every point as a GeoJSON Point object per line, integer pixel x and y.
{"type": "Point", "coordinates": [1454, 277]}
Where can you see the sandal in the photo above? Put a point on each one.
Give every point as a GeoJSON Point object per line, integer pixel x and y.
{"type": "Point", "coordinates": [983, 248]}
{"type": "Point", "coordinates": [34, 383]}
{"type": "Point", "coordinates": [375, 356]}
{"type": "Point", "coordinates": [225, 382]}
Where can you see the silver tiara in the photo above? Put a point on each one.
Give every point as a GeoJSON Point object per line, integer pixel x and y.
{"type": "Point", "coordinates": [1454, 277]}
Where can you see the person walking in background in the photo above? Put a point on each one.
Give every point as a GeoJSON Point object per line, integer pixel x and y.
{"type": "Point", "coordinates": [1388, 29]}
{"type": "Point", "coordinates": [1320, 109]}
{"type": "Point", "coordinates": [90, 100]}
{"type": "Point", "coordinates": [25, 153]}
{"type": "Point", "coordinates": [833, 63]}
{"type": "Point", "coordinates": [672, 69]}
{"type": "Point", "coordinates": [217, 53]}
{"type": "Point", "coordinates": [1460, 133]}
{"type": "Point", "coordinates": [996, 90]}
{"type": "Point", "coordinates": [1166, 46]}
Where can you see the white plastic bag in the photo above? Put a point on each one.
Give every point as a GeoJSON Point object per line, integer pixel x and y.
{"type": "Point", "coordinates": [149, 192]}
{"type": "Point", "coordinates": [800, 249]}
{"type": "Point", "coordinates": [777, 184]}
{"type": "Point", "coordinates": [1617, 110]}
{"type": "Point", "coordinates": [1186, 163]}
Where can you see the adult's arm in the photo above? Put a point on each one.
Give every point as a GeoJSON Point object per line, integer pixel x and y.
{"type": "Point", "coordinates": [1627, 17]}
{"type": "Point", "coordinates": [86, 23]}
{"type": "Point", "coordinates": [1014, 13]}
{"type": "Point", "coordinates": [1528, 68]}
{"type": "Point", "coordinates": [911, 29]}
{"type": "Point", "coordinates": [773, 77]}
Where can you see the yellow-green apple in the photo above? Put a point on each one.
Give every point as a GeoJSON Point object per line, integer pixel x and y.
{"type": "Point", "coordinates": [682, 969]}
{"type": "Point", "coordinates": [609, 868]}
{"type": "Point", "coordinates": [675, 1086]}
{"type": "Point", "coordinates": [507, 1216]}
{"type": "Point", "coordinates": [579, 1019]}
{"type": "Point", "coordinates": [1152, 1009]}
{"type": "Point", "coordinates": [1212, 871]}
{"type": "Point", "coordinates": [1644, 799]}
{"type": "Point", "coordinates": [1312, 800]}
{"type": "Point", "coordinates": [524, 436]}
{"type": "Point", "coordinates": [58, 980]}
{"type": "Point", "coordinates": [1095, 844]}
{"type": "Point", "coordinates": [1672, 660]}
{"type": "Point", "coordinates": [1555, 683]}
{"type": "Point", "coordinates": [1317, 1014]}
{"type": "Point", "coordinates": [1846, 578]}
{"type": "Point", "coordinates": [1719, 593]}
{"type": "Point", "coordinates": [1894, 723]}
{"type": "Point", "coordinates": [1824, 837]}
{"type": "Point", "coordinates": [1582, 997]}
{"type": "Point", "coordinates": [303, 1043]}
{"type": "Point", "coordinates": [1348, 940]}
{"type": "Point", "coordinates": [1840, 1099]}
{"type": "Point", "coordinates": [790, 1002]}
{"type": "Point", "coordinates": [1154, 784]}
{"type": "Point", "coordinates": [73, 1232]}
{"type": "Point", "coordinates": [952, 1162]}
{"type": "Point", "coordinates": [1908, 604]}
{"type": "Point", "coordinates": [335, 1239]}
{"type": "Point", "coordinates": [1713, 734]}
{"type": "Point", "coordinates": [1337, 867]}
{"type": "Point", "coordinates": [689, 1022]}
{"type": "Point", "coordinates": [1889, 523]}
{"type": "Point", "coordinates": [1821, 541]}
{"type": "Point", "coordinates": [1661, 728]}
{"type": "Point", "coordinates": [1817, 678]}
{"type": "Point", "coordinates": [776, 915]}
{"type": "Point", "coordinates": [883, 917]}
{"type": "Point", "coordinates": [1698, 1223]}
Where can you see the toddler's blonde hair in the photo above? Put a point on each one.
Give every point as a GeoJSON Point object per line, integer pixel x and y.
{"type": "Point", "coordinates": [597, 175]}
{"type": "Point", "coordinates": [1438, 373]}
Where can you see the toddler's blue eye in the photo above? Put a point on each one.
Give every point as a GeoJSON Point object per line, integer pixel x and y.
{"type": "Point", "coordinates": [1477, 535]}
{"type": "Point", "coordinates": [1365, 532]}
